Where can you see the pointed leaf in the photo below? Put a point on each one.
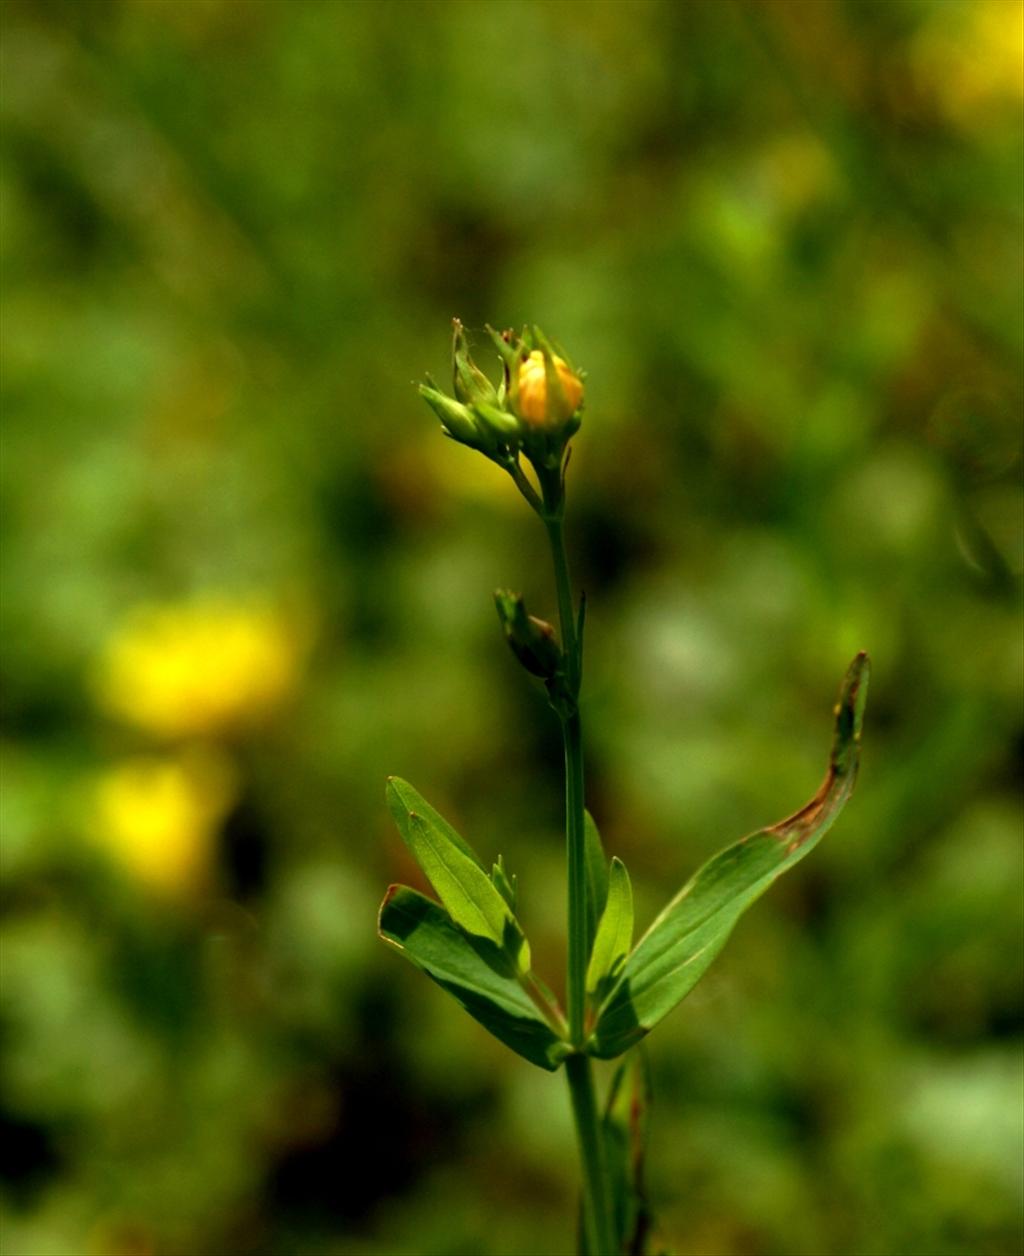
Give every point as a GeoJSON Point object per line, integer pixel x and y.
{"type": "Point", "coordinates": [675, 952]}
{"type": "Point", "coordinates": [615, 932]}
{"type": "Point", "coordinates": [472, 899]}
{"type": "Point", "coordinates": [403, 800]}
{"type": "Point", "coordinates": [597, 876]}
{"type": "Point", "coordinates": [470, 970]}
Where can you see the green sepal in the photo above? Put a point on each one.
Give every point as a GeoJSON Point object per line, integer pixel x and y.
{"type": "Point", "coordinates": [552, 380]}
{"type": "Point", "coordinates": [471, 970]}
{"type": "Point", "coordinates": [499, 424]}
{"type": "Point", "coordinates": [507, 345]}
{"type": "Point", "coordinates": [614, 932]}
{"type": "Point", "coordinates": [680, 945]}
{"type": "Point", "coordinates": [456, 873]}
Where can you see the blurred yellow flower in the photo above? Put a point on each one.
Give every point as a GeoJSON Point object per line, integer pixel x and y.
{"type": "Point", "coordinates": [158, 817]}
{"type": "Point", "coordinates": [972, 58]}
{"type": "Point", "coordinates": [198, 668]}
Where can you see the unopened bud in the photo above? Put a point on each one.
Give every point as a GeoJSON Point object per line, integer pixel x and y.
{"type": "Point", "coordinates": [548, 392]}
{"type": "Point", "coordinates": [533, 412]}
{"type": "Point", "coordinates": [457, 420]}
{"type": "Point", "coordinates": [532, 640]}
{"type": "Point", "coordinates": [470, 384]}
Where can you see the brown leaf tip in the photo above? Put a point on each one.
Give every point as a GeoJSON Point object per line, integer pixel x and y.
{"type": "Point", "coordinates": [392, 890]}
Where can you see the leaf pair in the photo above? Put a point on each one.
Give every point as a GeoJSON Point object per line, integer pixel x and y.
{"type": "Point", "coordinates": [473, 945]}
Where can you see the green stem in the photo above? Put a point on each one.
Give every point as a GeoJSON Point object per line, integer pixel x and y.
{"type": "Point", "coordinates": [597, 1218]}
{"type": "Point", "coordinates": [572, 737]}
{"type": "Point", "coordinates": [517, 473]}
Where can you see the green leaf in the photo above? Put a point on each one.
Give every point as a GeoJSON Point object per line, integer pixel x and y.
{"type": "Point", "coordinates": [403, 800]}
{"type": "Point", "coordinates": [596, 864]}
{"type": "Point", "coordinates": [678, 948]}
{"type": "Point", "coordinates": [625, 1127]}
{"type": "Point", "coordinates": [470, 969]}
{"type": "Point", "coordinates": [614, 933]}
{"type": "Point", "coordinates": [451, 867]}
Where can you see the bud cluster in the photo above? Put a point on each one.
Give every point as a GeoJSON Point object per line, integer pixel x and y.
{"type": "Point", "coordinates": [534, 409]}
{"type": "Point", "coordinates": [533, 412]}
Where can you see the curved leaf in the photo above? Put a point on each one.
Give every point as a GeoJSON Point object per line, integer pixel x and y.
{"type": "Point", "coordinates": [470, 969]}
{"type": "Point", "coordinates": [675, 952]}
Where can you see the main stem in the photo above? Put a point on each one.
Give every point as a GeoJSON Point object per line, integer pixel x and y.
{"type": "Point", "coordinates": [572, 737]}
{"type": "Point", "coordinates": [596, 1214]}
{"type": "Point", "coordinates": [596, 1217]}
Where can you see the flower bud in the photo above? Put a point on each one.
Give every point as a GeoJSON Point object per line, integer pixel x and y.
{"type": "Point", "coordinates": [532, 412]}
{"type": "Point", "coordinates": [470, 384]}
{"type": "Point", "coordinates": [532, 640]}
{"type": "Point", "coordinates": [547, 392]}
{"type": "Point", "coordinates": [458, 421]}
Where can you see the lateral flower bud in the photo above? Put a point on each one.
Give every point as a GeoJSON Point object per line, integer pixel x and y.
{"type": "Point", "coordinates": [458, 421]}
{"type": "Point", "coordinates": [470, 384]}
{"type": "Point", "coordinates": [532, 640]}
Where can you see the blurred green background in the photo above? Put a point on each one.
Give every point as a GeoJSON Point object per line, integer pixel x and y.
{"type": "Point", "coordinates": [245, 578]}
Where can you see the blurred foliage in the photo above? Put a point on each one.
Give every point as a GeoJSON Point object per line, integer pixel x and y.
{"type": "Point", "coordinates": [245, 578]}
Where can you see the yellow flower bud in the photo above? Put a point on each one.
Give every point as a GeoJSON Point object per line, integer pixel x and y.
{"type": "Point", "coordinates": [532, 401]}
